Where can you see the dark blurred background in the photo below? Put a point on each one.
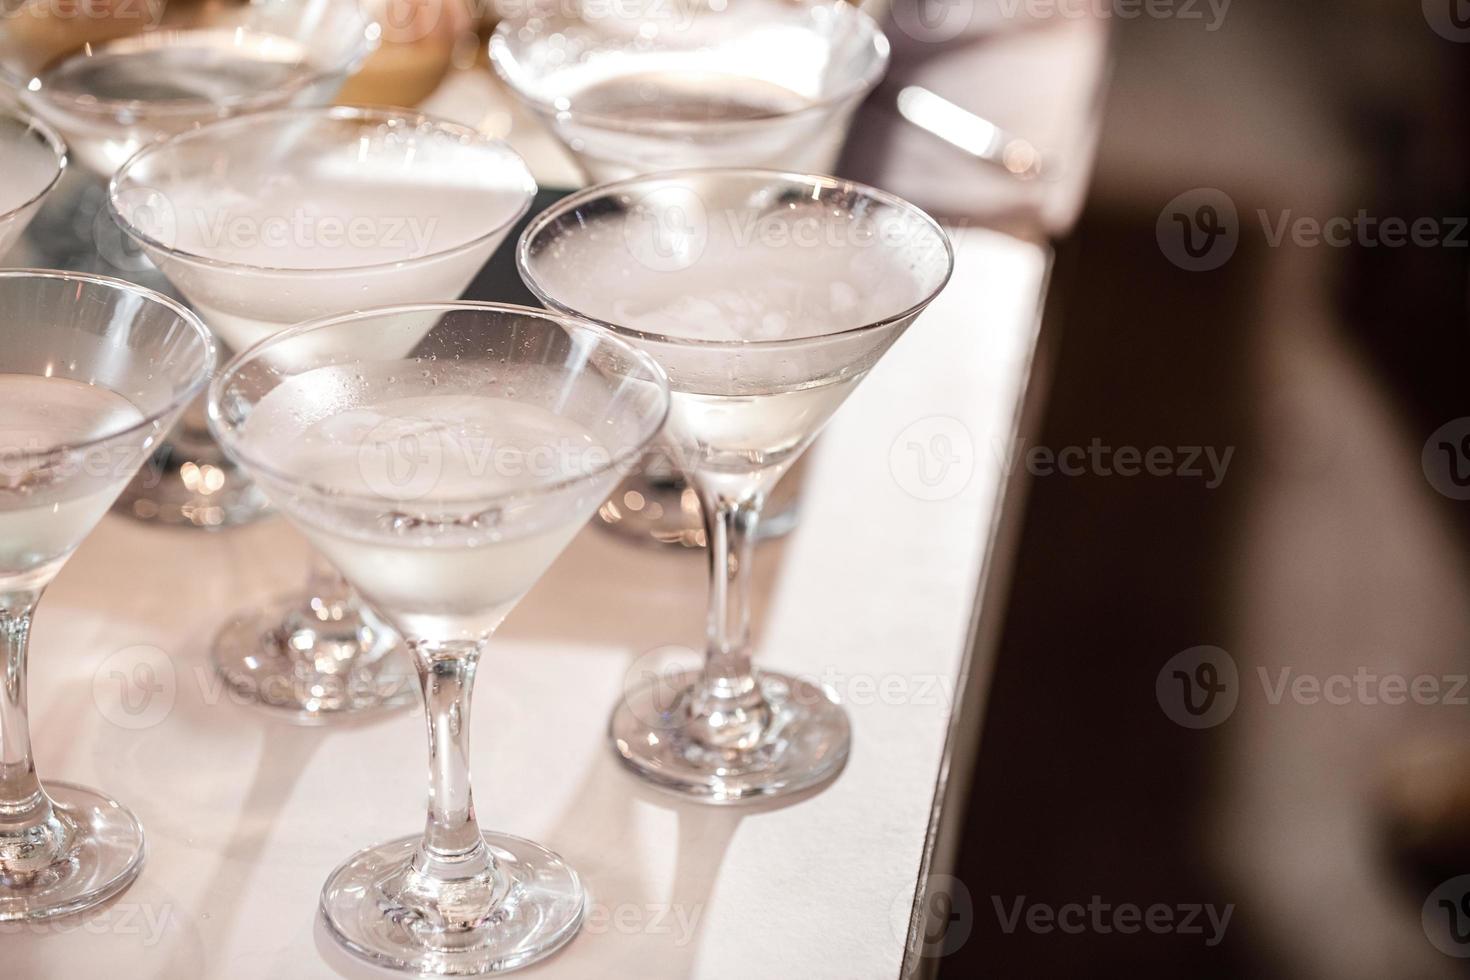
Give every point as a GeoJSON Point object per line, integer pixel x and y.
{"type": "Point", "coordinates": [1327, 548]}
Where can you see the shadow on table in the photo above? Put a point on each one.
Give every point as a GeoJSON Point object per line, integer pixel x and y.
{"type": "Point", "coordinates": [647, 926]}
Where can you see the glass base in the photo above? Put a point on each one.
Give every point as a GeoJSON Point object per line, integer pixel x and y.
{"type": "Point", "coordinates": [804, 742]}
{"type": "Point", "coordinates": [536, 907]}
{"type": "Point", "coordinates": [314, 670]}
{"type": "Point", "coordinates": [103, 855]}
{"type": "Point", "coordinates": [657, 506]}
{"type": "Point", "coordinates": [190, 483]}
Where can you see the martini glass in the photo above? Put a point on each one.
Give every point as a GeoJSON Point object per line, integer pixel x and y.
{"type": "Point", "coordinates": [267, 220]}
{"type": "Point", "coordinates": [637, 89]}
{"type": "Point", "coordinates": [32, 158]}
{"type": "Point", "coordinates": [93, 371]}
{"type": "Point", "coordinates": [442, 456]}
{"type": "Point", "coordinates": [746, 83]}
{"type": "Point", "coordinates": [112, 75]}
{"type": "Point", "coordinates": [766, 297]}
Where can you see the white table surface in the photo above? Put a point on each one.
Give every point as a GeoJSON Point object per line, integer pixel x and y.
{"type": "Point", "coordinates": [246, 815]}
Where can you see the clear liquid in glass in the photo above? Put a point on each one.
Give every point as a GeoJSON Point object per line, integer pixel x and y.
{"type": "Point", "coordinates": [435, 445]}
{"type": "Point", "coordinates": [219, 66]}
{"type": "Point", "coordinates": [49, 503]}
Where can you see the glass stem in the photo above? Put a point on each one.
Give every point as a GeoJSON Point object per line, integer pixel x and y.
{"type": "Point", "coordinates": [729, 711]}
{"type": "Point", "coordinates": [452, 848]}
{"type": "Point", "coordinates": [327, 589]}
{"type": "Point", "coordinates": [322, 631]}
{"type": "Point", "coordinates": [20, 790]}
{"type": "Point", "coordinates": [32, 833]}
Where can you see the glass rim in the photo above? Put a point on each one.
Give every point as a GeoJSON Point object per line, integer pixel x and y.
{"type": "Point", "coordinates": [57, 146]}
{"type": "Point", "coordinates": [573, 201]}
{"type": "Point", "coordinates": [368, 43]}
{"type": "Point", "coordinates": [858, 88]}
{"type": "Point", "coordinates": [185, 315]}
{"type": "Point", "coordinates": [225, 432]}
{"type": "Point", "coordinates": [528, 187]}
